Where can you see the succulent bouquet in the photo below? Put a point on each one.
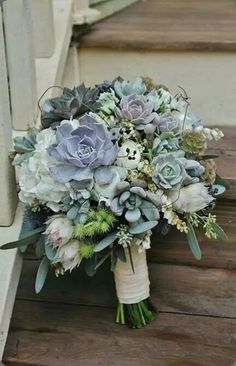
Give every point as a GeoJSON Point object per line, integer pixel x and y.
{"type": "Point", "coordinates": [107, 167]}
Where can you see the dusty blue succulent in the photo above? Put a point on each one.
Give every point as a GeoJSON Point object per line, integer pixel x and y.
{"type": "Point", "coordinates": [136, 110]}
{"type": "Point", "coordinates": [81, 151]}
{"type": "Point", "coordinates": [164, 143]}
{"type": "Point", "coordinates": [168, 123]}
{"type": "Point", "coordinates": [135, 202]}
{"type": "Point", "coordinates": [25, 146]}
{"type": "Point", "coordinates": [173, 171]}
{"type": "Point", "coordinates": [125, 87]}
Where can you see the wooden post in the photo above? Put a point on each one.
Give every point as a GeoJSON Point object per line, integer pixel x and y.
{"type": "Point", "coordinates": [7, 177]}
{"type": "Point", "coordinates": [43, 28]}
{"type": "Point", "coordinates": [20, 61]}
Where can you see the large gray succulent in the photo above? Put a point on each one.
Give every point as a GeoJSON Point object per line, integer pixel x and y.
{"type": "Point", "coordinates": [135, 202]}
{"type": "Point", "coordinates": [136, 110]}
{"type": "Point", "coordinates": [125, 87]}
{"type": "Point", "coordinates": [173, 171]}
{"type": "Point", "coordinates": [81, 151]}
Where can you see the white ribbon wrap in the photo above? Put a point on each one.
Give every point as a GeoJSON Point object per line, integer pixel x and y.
{"type": "Point", "coordinates": [132, 287]}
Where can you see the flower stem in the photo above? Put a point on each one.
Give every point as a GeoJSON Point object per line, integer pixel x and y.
{"type": "Point", "coordinates": [135, 315]}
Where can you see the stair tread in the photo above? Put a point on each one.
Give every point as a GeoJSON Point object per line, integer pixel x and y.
{"type": "Point", "coordinates": [47, 334]}
{"type": "Point", "coordinates": [167, 25]}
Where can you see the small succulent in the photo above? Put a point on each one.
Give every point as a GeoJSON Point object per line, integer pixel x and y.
{"type": "Point", "coordinates": [76, 205]}
{"type": "Point", "coordinates": [25, 146]}
{"type": "Point", "coordinates": [81, 151]}
{"type": "Point", "coordinates": [137, 110]}
{"type": "Point", "coordinates": [164, 143]}
{"type": "Point", "coordinates": [71, 104]}
{"type": "Point", "coordinates": [126, 88]}
{"type": "Point", "coordinates": [133, 200]}
{"type": "Point", "coordinates": [168, 123]}
{"type": "Point", "coordinates": [173, 171]}
{"type": "Point", "coordinates": [108, 101]}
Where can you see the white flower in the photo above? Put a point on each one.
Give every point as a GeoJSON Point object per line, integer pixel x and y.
{"type": "Point", "coordinates": [59, 230]}
{"type": "Point", "coordinates": [191, 198]}
{"type": "Point", "coordinates": [210, 134]}
{"type": "Point", "coordinates": [129, 155]}
{"type": "Point", "coordinates": [34, 178]}
{"type": "Point", "coordinates": [69, 255]}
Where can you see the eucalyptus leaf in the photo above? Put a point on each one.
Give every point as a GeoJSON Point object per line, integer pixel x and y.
{"type": "Point", "coordinates": [104, 243]}
{"type": "Point", "coordinates": [141, 228]}
{"type": "Point", "coordinates": [25, 240]}
{"type": "Point", "coordinates": [89, 266]}
{"type": "Point", "coordinates": [219, 232]}
{"type": "Point", "coordinates": [102, 260]}
{"type": "Point", "coordinates": [42, 274]}
{"type": "Point", "coordinates": [50, 251]}
{"type": "Point", "coordinates": [40, 246]}
{"type": "Point", "coordinates": [193, 242]}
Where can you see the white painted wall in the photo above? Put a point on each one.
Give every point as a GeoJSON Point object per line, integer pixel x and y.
{"type": "Point", "coordinates": [208, 77]}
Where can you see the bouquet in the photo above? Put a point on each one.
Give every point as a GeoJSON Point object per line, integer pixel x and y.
{"type": "Point", "coordinates": [107, 167]}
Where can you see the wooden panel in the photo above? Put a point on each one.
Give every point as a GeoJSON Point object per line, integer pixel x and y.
{"type": "Point", "coordinates": [20, 59]}
{"type": "Point", "coordinates": [7, 176]}
{"type": "Point", "coordinates": [168, 25]}
{"type": "Point", "coordinates": [174, 288]}
{"type": "Point", "coordinates": [51, 334]}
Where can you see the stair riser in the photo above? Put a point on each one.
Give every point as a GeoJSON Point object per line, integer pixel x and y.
{"type": "Point", "coordinates": [208, 77]}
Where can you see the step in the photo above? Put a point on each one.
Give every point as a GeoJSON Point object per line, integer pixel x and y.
{"type": "Point", "coordinates": [196, 300]}
{"type": "Point", "coordinates": [173, 25]}
{"type": "Point", "coordinates": [184, 43]}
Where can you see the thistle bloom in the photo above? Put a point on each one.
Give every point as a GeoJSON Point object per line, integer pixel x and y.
{"type": "Point", "coordinates": [59, 230]}
{"type": "Point", "coordinates": [192, 198]}
{"type": "Point", "coordinates": [69, 255]}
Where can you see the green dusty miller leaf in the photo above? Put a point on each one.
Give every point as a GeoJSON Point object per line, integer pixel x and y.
{"type": "Point", "coordinates": [219, 232]}
{"type": "Point", "coordinates": [193, 242]}
{"type": "Point", "coordinates": [42, 274]}
{"type": "Point", "coordinates": [104, 243]}
{"type": "Point", "coordinates": [25, 240]}
{"type": "Point", "coordinates": [141, 228]}
{"type": "Point", "coordinates": [89, 266]}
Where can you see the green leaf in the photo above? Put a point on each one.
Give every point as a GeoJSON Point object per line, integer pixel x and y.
{"type": "Point", "coordinates": [89, 266]}
{"type": "Point", "coordinates": [40, 246]}
{"type": "Point", "coordinates": [102, 260]}
{"type": "Point", "coordinates": [120, 253]}
{"type": "Point", "coordinates": [206, 157]}
{"type": "Point", "coordinates": [104, 243]}
{"type": "Point", "coordinates": [42, 274]}
{"type": "Point", "coordinates": [193, 242]}
{"type": "Point", "coordinates": [25, 240]}
{"type": "Point", "coordinates": [221, 181]}
{"type": "Point", "coordinates": [219, 232]}
{"type": "Point", "coordinates": [141, 228]}
{"type": "Point", "coordinates": [50, 251]}
{"type": "Point", "coordinates": [113, 261]}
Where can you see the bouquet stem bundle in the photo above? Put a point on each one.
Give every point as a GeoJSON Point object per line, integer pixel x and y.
{"type": "Point", "coordinates": [132, 287]}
